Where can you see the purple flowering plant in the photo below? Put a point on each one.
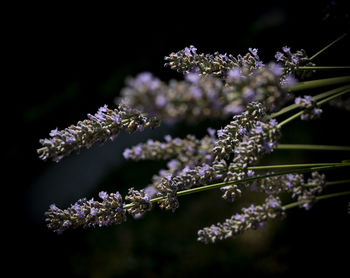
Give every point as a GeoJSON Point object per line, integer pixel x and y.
{"type": "Point", "coordinates": [250, 98]}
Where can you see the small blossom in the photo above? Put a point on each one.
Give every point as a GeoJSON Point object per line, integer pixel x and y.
{"type": "Point", "coordinates": [254, 51]}
{"type": "Point", "coordinates": [103, 195]}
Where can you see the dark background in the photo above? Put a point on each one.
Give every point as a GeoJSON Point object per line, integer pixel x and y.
{"type": "Point", "coordinates": [66, 62]}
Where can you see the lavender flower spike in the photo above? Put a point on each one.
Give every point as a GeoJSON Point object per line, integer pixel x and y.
{"type": "Point", "coordinates": [253, 217]}
{"type": "Point", "coordinates": [87, 213]}
{"type": "Point", "coordinates": [105, 124]}
{"type": "Point", "coordinates": [187, 60]}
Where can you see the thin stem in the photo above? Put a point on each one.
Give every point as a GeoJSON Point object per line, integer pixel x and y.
{"type": "Point", "coordinates": [330, 183]}
{"type": "Point", "coordinates": [319, 83]}
{"type": "Point", "coordinates": [332, 97]}
{"type": "Point", "coordinates": [322, 197]}
{"type": "Point", "coordinates": [326, 47]}
{"type": "Point", "coordinates": [268, 167]}
{"type": "Point", "coordinates": [317, 97]}
{"type": "Point", "coordinates": [221, 184]}
{"type": "Point", "coordinates": [323, 67]}
{"type": "Point", "coordinates": [318, 103]}
{"type": "Point", "coordinates": [312, 147]}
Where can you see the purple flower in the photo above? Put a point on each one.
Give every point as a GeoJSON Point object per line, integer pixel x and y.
{"type": "Point", "coordinates": [286, 49]}
{"type": "Point", "coordinates": [196, 92]}
{"type": "Point", "coordinates": [215, 230]}
{"type": "Point", "coordinates": [211, 132]}
{"type": "Point", "coordinates": [127, 153]}
{"type": "Point", "coordinates": [233, 109]}
{"type": "Point", "coordinates": [203, 169]}
{"type": "Point", "coordinates": [67, 223]}
{"type": "Point", "coordinates": [161, 101]}
{"type": "Point", "coordinates": [76, 207]}
{"type": "Point", "coordinates": [242, 130]}
{"type": "Point", "coordinates": [258, 129]}
{"type": "Point", "coordinates": [250, 173]}
{"type": "Point", "coordinates": [80, 213]}
{"type": "Point", "coordinates": [220, 132]}
{"type": "Point", "coordinates": [147, 198]}
{"type": "Point", "coordinates": [93, 211]}
{"type": "Point", "coordinates": [234, 73]}
{"type": "Point", "coordinates": [279, 56]}
{"type": "Point", "coordinates": [70, 139]}
{"type": "Point", "coordinates": [193, 49]}
{"type": "Point", "coordinates": [137, 150]}
{"type": "Point", "coordinates": [273, 122]}
{"type": "Point", "coordinates": [192, 77]}
{"type": "Point", "coordinates": [54, 132]}
{"type": "Point", "coordinates": [167, 138]}
{"type": "Point", "coordinates": [103, 195]}
{"type": "Point", "coordinates": [295, 59]}
{"type": "Point", "coordinates": [249, 95]}
{"type": "Point", "coordinates": [290, 81]}
{"type": "Point", "coordinates": [188, 52]}
{"type": "Point", "coordinates": [288, 184]}
{"type": "Point", "coordinates": [239, 217]}
{"type": "Point", "coordinates": [103, 108]}
{"type": "Point", "coordinates": [259, 64]}
{"type": "Point", "coordinates": [254, 51]}
{"type": "Point", "coordinates": [144, 77]}
{"type": "Point", "coordinates": [317, 111]}
{"type": "Point", "coordinates": [297, 100]}
{"type": "Point", "coordinates": [150, 191]}
{"type": "Point", "coordinates": [273, 203]}
{"type": "Point", "coordinates": [116, 119]}
{"type": "Point", "coordinates": [173, 164]}
{"type": "Point", "coordinates": [276, 69]}
{"type": "Point", "coordinates": [53, 207]}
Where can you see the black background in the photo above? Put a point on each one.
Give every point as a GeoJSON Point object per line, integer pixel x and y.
{"type": "Point", "coordinates": [65, 62]}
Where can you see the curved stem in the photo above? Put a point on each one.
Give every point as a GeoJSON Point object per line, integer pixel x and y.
{"type": "Point", "coordinates": [318, 103]}
{"type": "Point", "coordinates": [311, 147]}
{"type": "Point", "coordinates": [329, 45]}
{"type": "Point", "coordinates": [317, 97]}
{"type": "Point", "coordinates": [221, 184]}
{"type": "Point", "coordinates": [330, 183]}
{"type": "Point", "coordinates": [322, 197]}
{"type": "Point", "coordinates": [319, 83]}
{"type": "Point", "coordinates": [323, 67]}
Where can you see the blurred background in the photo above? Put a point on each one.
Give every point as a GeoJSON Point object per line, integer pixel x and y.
{"type": "Point", "coordinates": [67, 62]}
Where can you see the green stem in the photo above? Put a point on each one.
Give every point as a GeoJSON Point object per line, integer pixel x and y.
{"type": "Point", "coordinates": [323, 197]}
{"type": "Point", "coordinates": [312, 147]}
{"type": "Point", "coordinates": [319, 83]}
{"type": "Point", "coordinates": [330, 183]}
{"type": "Point", "coordinates": [326, 47]}
{"type": "Point", "coordinates": [317, 97]}
{"type": "Point", "coordinates": [318, 103]}
{"type": "Point", "coordinates": [323, 67]}
{"type": "Point", "coordinates": [221, 184]}
{"type": "Point", "coordinates": [268, 167]}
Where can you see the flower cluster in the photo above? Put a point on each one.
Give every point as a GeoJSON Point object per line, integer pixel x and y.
{"type": "Point", "coordinates": [198, 162]}
{"type": "Point", "coordinates": [105, 124]}
{"type": "Point", "coordinates": [292, 61]}
{"type": "Point", "coordinates": [87, 213]}
{"type": "Point", "coordinates": [294, 184]}
{"type": "Point", "coordinates": [260, 140]}
{"type": "Point", "coordinates": [141, 202]}
{"type": "Point", "coordinates": [233, 133]}
{"type": "Point", "coordinates": [253, 217]}
{"type": "Point", "coordinates": [188, 61]}
{"type": "Point", "coordinates": [199, 97]}
{"type": "Point", "coordinates": [312, 111]}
